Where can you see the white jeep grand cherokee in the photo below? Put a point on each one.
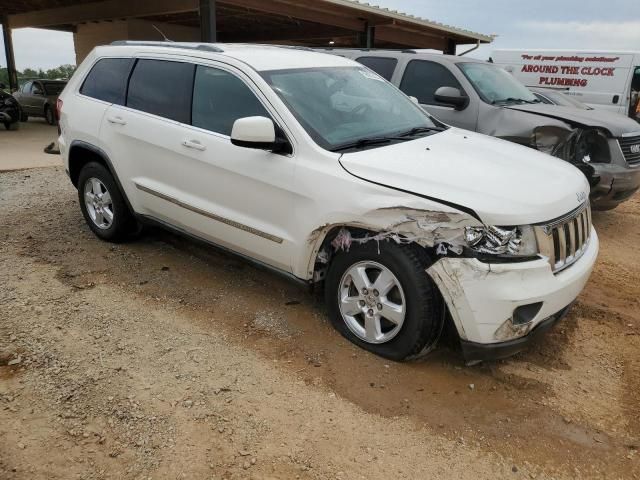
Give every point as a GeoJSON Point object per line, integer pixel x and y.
{"type": "Point", "coordinates": [316, 167]}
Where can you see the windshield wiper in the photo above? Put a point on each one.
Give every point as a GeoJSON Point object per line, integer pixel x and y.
{"type": "Point", "coordinates": [514, 100]}
{"type": "Point", "coordinates": [364, 142]}
{"type": "Point", "coordinates": [402, 137]}
{"type": "Point", "coordinates": [417, 130]}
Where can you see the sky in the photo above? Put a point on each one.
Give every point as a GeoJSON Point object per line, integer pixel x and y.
{"type": "Point", "coordinates": [564, 24]}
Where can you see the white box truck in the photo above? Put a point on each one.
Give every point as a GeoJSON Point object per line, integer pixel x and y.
{"type": "Point", "coordinates": [600, 79]}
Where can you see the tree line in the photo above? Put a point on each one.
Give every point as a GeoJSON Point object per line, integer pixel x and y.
{"type": "Point", "coordinates": [63, 72]}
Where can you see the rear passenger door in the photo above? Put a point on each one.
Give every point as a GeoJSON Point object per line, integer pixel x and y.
{"type": "Point", "coordinates": [421, 79]}
{"type": "Point", "coordinates": [174, 145]}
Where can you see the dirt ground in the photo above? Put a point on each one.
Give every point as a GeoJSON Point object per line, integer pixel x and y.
{"type": "Point", "coordinates": [164, 359]}
{"type": "Point", "coordinates": [23, 148]}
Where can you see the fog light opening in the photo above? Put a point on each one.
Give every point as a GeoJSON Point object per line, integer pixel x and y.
{"type": "Point", "coordinates": [525, 313]}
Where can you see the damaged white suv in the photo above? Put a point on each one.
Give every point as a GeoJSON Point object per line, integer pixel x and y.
{"type": "Point", "coordinates": [318, 168]}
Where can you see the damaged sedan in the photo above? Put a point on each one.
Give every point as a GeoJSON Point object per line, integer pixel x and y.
{"type": "Point", "coordinates": [483, 97]}
{"type": "Point", "coordinates": [315, 167]}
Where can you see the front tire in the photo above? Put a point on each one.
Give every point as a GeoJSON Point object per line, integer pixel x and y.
{"type": "Point", "coordinates": [380, 297]}
{"type": "Point", "coordinates": [103, 205]}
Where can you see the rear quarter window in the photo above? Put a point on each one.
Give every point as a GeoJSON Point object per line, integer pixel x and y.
{"type": "Point", "coordinates": [163, 88]}
{"type": "Point", "coordinates": [381, 65]}
{"type": "Point", "coordinates": [107, 80]}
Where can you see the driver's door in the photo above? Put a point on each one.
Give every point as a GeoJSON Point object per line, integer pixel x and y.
{"type": "Point", "coordinates": [421, 79]}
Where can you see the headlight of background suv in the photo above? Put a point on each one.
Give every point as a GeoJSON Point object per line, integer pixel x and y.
{"type": "Point", "coordinates": [503, 241]}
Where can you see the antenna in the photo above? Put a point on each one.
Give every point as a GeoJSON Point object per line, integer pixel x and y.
{"type": "Point", "coordinates": [161, 33]}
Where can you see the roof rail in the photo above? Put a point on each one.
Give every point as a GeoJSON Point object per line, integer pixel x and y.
{"type": "Point", "coordinates": [207, 47]}
{"type": "Point", "coordinates": [292, 47]}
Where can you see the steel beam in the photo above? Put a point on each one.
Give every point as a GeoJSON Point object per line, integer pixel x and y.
{"type": "Point", "coordinates": [450, 47]}
{"type": "Point", "coordinates": [208, 30]}
{"type": "Point", "coordinates": [8, 52]}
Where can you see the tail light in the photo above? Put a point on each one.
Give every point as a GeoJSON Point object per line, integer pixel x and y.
{"type": "Point", "coordinates": [58, 108]}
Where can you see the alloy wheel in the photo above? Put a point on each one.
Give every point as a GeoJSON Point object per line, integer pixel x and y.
{"type": "Point", "coordinates": [372, 302]}
{"type": "Point", "coordinates": [97, 200]}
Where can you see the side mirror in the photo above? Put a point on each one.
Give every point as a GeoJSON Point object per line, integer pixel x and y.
{"type": "Point", "coordinates": [258, 133]}
{"type": "Point", "coordinates": [452, 96]}
{"type": "Point", "coordinates": [415, 100]}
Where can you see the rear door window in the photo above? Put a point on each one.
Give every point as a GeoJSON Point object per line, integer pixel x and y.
{"type": "Point", "coordinates": [162, 88]}
{"type": "Point", "coordinates": [381, 65]}
{"type": "Point", "coordinates": [422, 78]}
{"type": "Point", "coordinates": [107, 80]}
{"type": "Point", "coordinates": [220, 98]}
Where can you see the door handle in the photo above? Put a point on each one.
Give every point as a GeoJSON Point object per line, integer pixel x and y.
{"type": "Point", "coordinates": [116, 120]}
{"type": "Point", "coordinates": [194, 144]}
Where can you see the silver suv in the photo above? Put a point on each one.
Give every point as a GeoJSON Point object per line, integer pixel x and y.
{"type": "Point", "coordinates": [482, 97]}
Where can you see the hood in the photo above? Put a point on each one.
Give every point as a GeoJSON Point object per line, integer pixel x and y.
{"type": "Point", "coordinates": [615, 123]}
{"type": "Point", "coordinates": [503, 183]}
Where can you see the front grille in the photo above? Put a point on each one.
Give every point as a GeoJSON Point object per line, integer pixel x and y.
{"type": "Point", "coordinates": [565, 240]}
{"type": "Point", "coordinates": [630, 147]}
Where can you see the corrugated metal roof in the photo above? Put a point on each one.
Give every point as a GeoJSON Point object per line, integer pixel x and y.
{"type": "Point", "coordinates": [412, 19]}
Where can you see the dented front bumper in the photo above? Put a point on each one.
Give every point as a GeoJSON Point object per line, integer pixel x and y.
{"type": "Point", "coordinates": [482, 297]}
{"type": "Point", "coordinates": [615, 185]}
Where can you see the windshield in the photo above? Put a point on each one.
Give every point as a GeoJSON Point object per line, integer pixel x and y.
{"type": "Point", "coordinates": [53, 88]}
{"type": "Point", "coordinates": [339, 106]}
{"type": "Point", "coordinates": [495, 85]}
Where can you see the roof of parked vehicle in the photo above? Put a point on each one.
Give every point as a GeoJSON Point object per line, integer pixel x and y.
{"type": "Point", "coordinates": [417, 53]}
{"type": "Point", "coordinates": [259, 57]}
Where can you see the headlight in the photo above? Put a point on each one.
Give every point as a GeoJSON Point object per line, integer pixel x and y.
{"type": "Point", "coordinates": [505, 241]}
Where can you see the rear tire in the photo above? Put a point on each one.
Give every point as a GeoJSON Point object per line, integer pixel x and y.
{"type": "Point", "coordinates": [414, 303]}
{"type": "Point", "coordinates": [103, 205]}
{"type": "Point", "coordinates": [49, 115]}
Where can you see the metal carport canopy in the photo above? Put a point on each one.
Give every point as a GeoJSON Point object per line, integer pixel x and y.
{"type": "Point", "coordinates": [346, 23]}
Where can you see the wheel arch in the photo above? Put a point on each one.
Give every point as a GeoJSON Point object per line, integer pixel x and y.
{"type": "Point", "coordinates": [82, 153]}
{"type": "Point", "coordinates": [322, 238]}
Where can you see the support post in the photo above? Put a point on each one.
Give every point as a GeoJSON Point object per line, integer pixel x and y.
{"type": "Point", "coordinates": [368, 36]}
{"type": "Point", "coordinates": [371, 36]}
{"type": "Point", "coordinates": [450, 48]}
{"type": "Point", "coordinates": [8, 52]}
{"type": "Point", "coordinates": [208, 31]}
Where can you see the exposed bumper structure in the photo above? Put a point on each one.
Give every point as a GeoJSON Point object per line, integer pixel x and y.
{"type": "Point", "coordinates": [616, 184]}
{"type": "Point", "coordinates": [475, 352]}
{"type": "Point", "coordinates": [494, 304]}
